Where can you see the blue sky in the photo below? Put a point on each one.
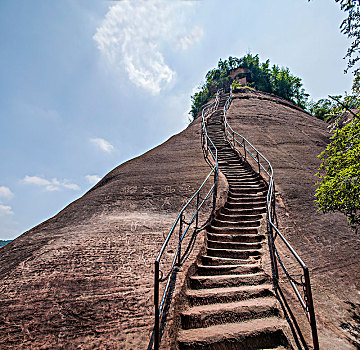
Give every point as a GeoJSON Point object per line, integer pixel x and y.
{"type": "Point", "coordinates": [86, 85]}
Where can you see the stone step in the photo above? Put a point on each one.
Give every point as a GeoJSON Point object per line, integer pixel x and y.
{"type": "Point", "coordinates": [231, 230]}
{"type": "Point", "coordinates": [227, 217]}
{"type": "Point", "coordinates": [244, 187]}
{"type": "Point", "coordinates": [234, 174]}
{"type": "Point", "coordinates": [248, 335]}
{"type": "Point", "coordinates": [218, 140]}
{"type": "Point", "coordinates": [217, 136]}
{"type": "Point", "coordinates": [254, 238]}
{"type": "Point", "coordinates": [243, 179]}
{"type": "Point", "coordinates": [237, 167]}
{"type": "Point", "coordinates": [229, 150]}
{"type": "Point", "coordinates": [247, 184]}
{"type": "Point", "coordinates": [213, 121]}
{"type": "Point", "coordinates": [247, 202]}
{"type": "Point", "coordinates": [228, 295]}
{"type": "Point", "coordinates": [243, 211]}
{"type": "Point", "coordinates": [234, 245]}
{"type": "Point", "coordinates": [233, 253]}
{"type": "Point", "coordinates": [240, 181]}
{"type": "Point", "coordinates": [232, 161]}
{"type": "Point", "coordinates": [236, 205]}
{"type": "Point", "coordinates": [230, 156]}
{"type": "Point", "coordinates": [261, 200]}
{"type": "Point", "coordinates": [240, 195]}
{"type": "Point", "coordinates": [239, 175]}
{"type": "Point", "coordinates": [221, 281]}
{"type": "Point", "coordinates": [215, 260]}
{"type": "Point", "coordinates": [214, 128]}
{"type": "Point", "coordinates": [232, 312]}
{"type": "Point", "coordinates": [212, 270]}
{"type": "Point", "coordinates": [234, 224]}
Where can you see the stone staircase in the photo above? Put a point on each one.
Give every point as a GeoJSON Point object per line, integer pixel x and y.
{"type": "Point", "coordinates": [230, 300]}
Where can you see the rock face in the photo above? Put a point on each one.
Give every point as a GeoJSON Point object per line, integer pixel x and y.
{"type": "Point", "coordinates": [84, 278]}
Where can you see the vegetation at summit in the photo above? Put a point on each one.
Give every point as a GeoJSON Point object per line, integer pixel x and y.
{"type": "Point", "coordinates": [338, 188]}
{"type": "Point", "coordinates": [262, 76]}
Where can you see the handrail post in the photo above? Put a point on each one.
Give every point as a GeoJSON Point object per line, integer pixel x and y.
{"type": "Point", "coordinates": [276, 270]}
{"type": "Point", "coordinates": [310, 305]}
{"type": "Point", "coordinates": [180, 234]}
{"type": "Point", "coordinates": [156, 304]}
{"type": "Point", "coordinates": [215, 188]}
{"type": "Point", "coordinates": [233, 139]}
{"type": "Point", "coordinates": [197, 211]}
{"type": "Point", "coordinates": [244, 149]}
{"type": "Point", "coordinates": [273, 248]}
{"type": "Point", "coordinates": [258, 161]}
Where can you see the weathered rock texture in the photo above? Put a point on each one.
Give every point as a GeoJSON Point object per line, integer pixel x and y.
{"type": "Point", "coordinates": [84, 278]}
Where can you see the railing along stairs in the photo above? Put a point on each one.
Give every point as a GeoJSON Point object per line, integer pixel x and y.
{"type": "Point", "coordinates": [182, 227]}
{"type": "Point", "coordinates": [251, 155]}
{"type": "Point", "coordinates": [254, 158]}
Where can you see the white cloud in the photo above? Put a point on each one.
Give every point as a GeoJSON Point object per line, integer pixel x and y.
{"type": "Point", "coordinates": [50, 185]}
{"type": "Point", "coordinates": [134, 33]}
{"type": "Point", "coordinates": [35, 180]}
{"type": "Point", "coordinates": [52, 188]}
{"type": "Point", "coordinates": [5, 192]}
{"type": "Point", "coordinates": [189, 39]}
{"type": "Point", "coordinates": [92, 179]}
{"type": "Point", "coordinates": [74, 187]}
{"type": "Point", "coordinates": [102, 144]}
{"type": "Point", "coordinates": [5, 210]}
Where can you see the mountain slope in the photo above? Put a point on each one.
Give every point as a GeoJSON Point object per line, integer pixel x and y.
{"type": "Point", "coordinates": [291, 141]}
{"type": "Point", "coordinates": [85, 277]}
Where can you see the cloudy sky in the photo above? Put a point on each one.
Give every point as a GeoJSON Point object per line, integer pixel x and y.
{"type": "Point", "coordinates": [86, 85]}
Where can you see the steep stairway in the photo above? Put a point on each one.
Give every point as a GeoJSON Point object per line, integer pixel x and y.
{"type": "Point", "coordinates": [231, 304]}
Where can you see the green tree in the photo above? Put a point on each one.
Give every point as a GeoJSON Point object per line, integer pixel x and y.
{"type": "Point", "coordinates": [273, 80]}
{"type": "Point", "coordinates": [321, 109]}
{"type": "Point", "coordinates": [351, 27]}
{"type": "Point", "coordinates": [339, 173]}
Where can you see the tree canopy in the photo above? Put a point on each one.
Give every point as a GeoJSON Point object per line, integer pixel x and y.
{"type": "Point", "coordinates": [335, 109]}
{"type": "Point", "coordinates": [339, 174]}
{"type": "Point", "coordinates": [339, 186]}
{"type": "Point", "coordinates": [351, 27]}
{"type": "Point", "coordinates": [263, 77]}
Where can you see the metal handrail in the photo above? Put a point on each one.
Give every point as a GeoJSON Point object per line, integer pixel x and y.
{"type": "Point", "coordinates": [273, 232]}
{"type": "Point", "coordinates": [179, 258]}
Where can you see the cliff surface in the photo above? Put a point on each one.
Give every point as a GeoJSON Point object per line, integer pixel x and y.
{"type": "Point", "coordinates": [84, 278]}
